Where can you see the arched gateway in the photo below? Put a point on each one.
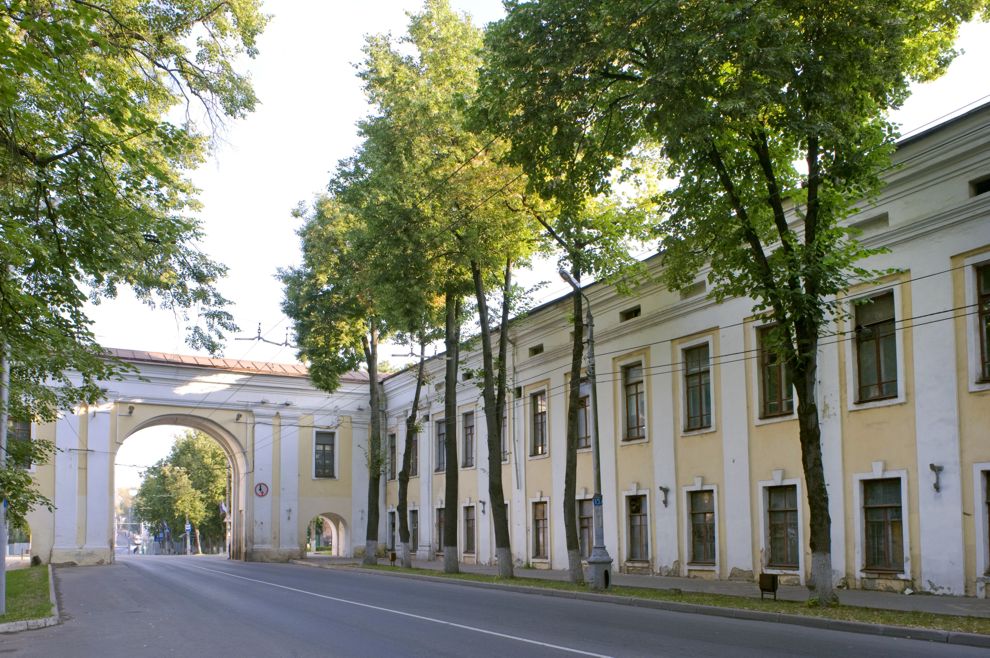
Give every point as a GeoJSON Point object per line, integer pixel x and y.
{"type": "Point", "coordinates": [295, 452]}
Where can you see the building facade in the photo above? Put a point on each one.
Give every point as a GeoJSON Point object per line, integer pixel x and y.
{"type": "Point", "coordinates": [701, 465]}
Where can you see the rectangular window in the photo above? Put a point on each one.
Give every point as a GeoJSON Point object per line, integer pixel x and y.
{"type": "Point", "coordinates": [441, 512]}
{"type": "Point", "coordinates": [414, 530]}
{"type": "Point", "coordinates": [782, 513]}
{"type": "Point", "coordinates": [538, 407]}
{"type": "Point", "coordinates": [876, 349]}
{"type": "Point", "coordinates": [441, 445]}
{"type": "Point", "coordinates": [639, 529]}
{"type": "Point", "coordinates": [414, 455]}
{"type": "Point", "coordinates": [776, 390]}
{"type": "Point", "coordinates": [391, 531]}
{"type": "Point", "coordinates": [702, 504]}
{"type": "Point", "coordinates": [391, 456]}
{"type": "Point", "coordinates": [540, 531]}
{"type": "Point", "coordinates": [586, 531]}
{"type": "Point", "coordinates": [469, 529]}
{"type": "Point", "coordinates": [883, 522]}
{"type": "Point", "coordinates": [583, 417]}
{"type": "Point", "coordinates": [634, 394]}
{"type": "Point", "coordinates": [19, 443]}
{"type": "Point", "coordinates": [467, 458]}
{"type": "Point", "coordinates": [697, 388]}
{"type": "Point", "coordinates": [983, 306]}
{"type": "Point", "coordinates": [505, 437]}
{"type": "Point", "coordinates": [986, 494]}
{"type": "Point", "coordinates": [323, 454]}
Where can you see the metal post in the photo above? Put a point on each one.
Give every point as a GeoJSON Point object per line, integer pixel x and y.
{"type": "Point", "coordinates": [4, 403]}
{"type": "Point", "coordinates": [599, 562]}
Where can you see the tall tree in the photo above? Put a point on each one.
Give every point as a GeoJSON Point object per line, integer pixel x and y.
{"type": "Point", "coordinates": [337, 324]}
{"type": "Point", "coordinates": [771, 117]}
{"type": "Point", "coordinates": [94, 192]}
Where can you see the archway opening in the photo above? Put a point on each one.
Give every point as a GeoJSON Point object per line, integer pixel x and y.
{"type": "Point", "coordinates": [326, 535]}
{"type": "Point", "coordinates": [175, 490]}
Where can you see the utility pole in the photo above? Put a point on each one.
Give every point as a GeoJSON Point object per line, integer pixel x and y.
{"type": "Point", "coordinates": [599, 562]}
{"type": "Point", "coordinates": [4, 400]}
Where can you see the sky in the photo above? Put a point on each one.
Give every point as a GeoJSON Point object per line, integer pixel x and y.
{"type": "Point", "coordinates": [284, 153]}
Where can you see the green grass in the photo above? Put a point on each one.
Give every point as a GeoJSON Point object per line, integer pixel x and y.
{"type": "Point", "coordinates": [928, 620]}
{"type": "Point", "coordinates": [324, 549]}
{"type": "Point", "coordinates": [27, 594]}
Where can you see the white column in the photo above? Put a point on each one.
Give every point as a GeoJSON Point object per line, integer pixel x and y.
{"type": "Point", "coordinates": [99, 508]}
{"type": "Point", "coordinates": [289, 484]}
{"type": "Point", "coordinates": [937, 438]}
{"type": "Point", "coordinates": [264, 438]}
{"type": "Point", "coordinates": [66, 481]}
{"type": "Point", "coordinates": [735, 453]}
{"type": "Point", "coordinates": [360, 429]}
{"type": "Point", "coordinates": [830, 403]}
{"type": "Point", "coordinates": [664, 463]}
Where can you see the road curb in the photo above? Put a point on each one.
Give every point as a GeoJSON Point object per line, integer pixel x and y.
{"type": "Point", "coordinates": [44, 622]}
{"type": "Point", "coordinates": [904, 632]}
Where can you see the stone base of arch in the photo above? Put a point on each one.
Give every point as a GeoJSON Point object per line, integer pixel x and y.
{"type": "Point", "coordinates": [80, 556]}
{"type": "Point", "coordinates": [271, 554]}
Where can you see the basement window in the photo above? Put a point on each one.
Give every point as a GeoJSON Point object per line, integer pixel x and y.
{"type": "Point", "coordinates": [693, 290]}
{"type": "Point", "coordinates": [629, 313]}
{"type": "Point", "coordinates": [979, 186]}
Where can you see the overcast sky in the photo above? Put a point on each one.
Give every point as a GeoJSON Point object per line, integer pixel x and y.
{"type": "Point", "coordinates": [284, 153]}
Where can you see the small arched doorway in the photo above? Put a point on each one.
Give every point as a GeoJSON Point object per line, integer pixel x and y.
{"type": "Point", "coordinates": [327, 535]}
{"type": "Point", "coordinates": [234, 509]}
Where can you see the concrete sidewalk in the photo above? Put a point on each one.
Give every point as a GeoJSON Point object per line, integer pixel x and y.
{"type": "Point", "coordinates": [942, 605]}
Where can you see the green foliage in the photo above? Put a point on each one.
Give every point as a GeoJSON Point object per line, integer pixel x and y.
{"type": "Point", "coordinates": [190, 483]}
{"type": "Point", "coordinates": [94, 192]}
{"type": "Point", "coordinates": [17, 483]}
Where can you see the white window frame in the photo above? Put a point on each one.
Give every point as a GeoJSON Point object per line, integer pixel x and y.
{"type": "Point", "coordinates": [981, 523]}
{"type": "Point", "coordinates": [682, 347]}
{"type": "Point", "coordinates": [474, 440]}
{"type": "Point", "coordinates": [529, 543]}
{"type": "Point", "coordinates": [756, 381]}
{"type": "Point", "coordinates": [621, 364]}
{"type": "Point", "coordinates": [852, 368]}
{"type": "Point", "coordinates": [626, 495]}
{"type": "Point", "coordinates": [880, 473]}
{"type": "Point", "coordinates": [528, 400]}
{"type": "Point", "coordinates": [765, 485]}
{"type": "Point", "coordinates": [462, 544]}
{"type": "Point", "coordinates": [973, 353]}
{"type": "Point", "coordinates": [699, 485]}
{"type": "Point", "coordinates": [336, 457]}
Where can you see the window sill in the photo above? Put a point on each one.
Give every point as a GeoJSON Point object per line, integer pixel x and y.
{"type": "Point", "coordinates": [883, 573]}
{"type": "Point", "coordinates": [702, 566]}
{"type": "Point", "coordinates": [324, 477]}
{"type": "Point", "coordinates": [782, 569]}
{"type": "Point", "coordinates": [778, 418]}
{"type": "Point", "coordinates": [979, 386]}
{"type": "Point", "coordinates": [876, 404]}
{"type": "Point", "coordinates": [467, 468]}
{"type": "Point", "coordinates": [698, 432]}
{"type": "Point", "coordinates": [633, 442]}
{"type": "Point", "coordinates": [545, 455]}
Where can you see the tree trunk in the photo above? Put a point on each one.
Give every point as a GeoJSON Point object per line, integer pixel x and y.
{"type": "Point", "coordinates": [403, 506]}
{"type": "Point", "coordinates": [494, 397]}
{"type": "Point", "coordinates": [370, 344]}
{"type": "Point", "coordinates": [574, 568]}
{"type": "Point", "coordinates": [805, 375]}
{"type": "Point", "coordinates": [199, 546]}
{"type": "Point", "coordinates": [452, 339]}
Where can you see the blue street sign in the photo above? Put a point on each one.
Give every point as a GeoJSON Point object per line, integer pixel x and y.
{"type": "Point", "coordinates": [597, 500]}
{"type": "Point", "coordinates": [188, 527]}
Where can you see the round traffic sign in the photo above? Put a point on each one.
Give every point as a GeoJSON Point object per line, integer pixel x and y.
{"type": "Point", "coordinates": [261, 490]}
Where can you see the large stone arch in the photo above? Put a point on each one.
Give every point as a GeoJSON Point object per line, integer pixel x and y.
{"type": "Point", "coordinates": [236, 456]}
{"type": "Point", "coordinates": [265, 417]}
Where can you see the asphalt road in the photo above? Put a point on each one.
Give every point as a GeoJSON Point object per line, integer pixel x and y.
{"type": "Point", "coordinates": [201, 606]}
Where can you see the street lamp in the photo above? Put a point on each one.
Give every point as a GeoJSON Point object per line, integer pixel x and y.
{"type": "Point", "coordinates": [600, 562]}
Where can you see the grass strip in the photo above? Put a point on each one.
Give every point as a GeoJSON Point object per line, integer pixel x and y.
{"type": "Point", "coordinates": [27, 594]}
{"type": "Point", "coordinates": [907, 619]}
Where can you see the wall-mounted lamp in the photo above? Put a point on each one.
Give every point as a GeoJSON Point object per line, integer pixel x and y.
{"type": "Point", "coordinates": [482, 503]}
{"type": "Point", "coordinates": [238, 417]}
{"type": "Point", "coordinates": [664, 490]}
{"type": "Point", "coordinates": [130, 410]}
{"type": "Point", "coordinates": [937, 470]}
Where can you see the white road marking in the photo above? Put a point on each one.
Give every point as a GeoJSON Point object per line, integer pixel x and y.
{"type": "Point", "coordinates": [474, 629]}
